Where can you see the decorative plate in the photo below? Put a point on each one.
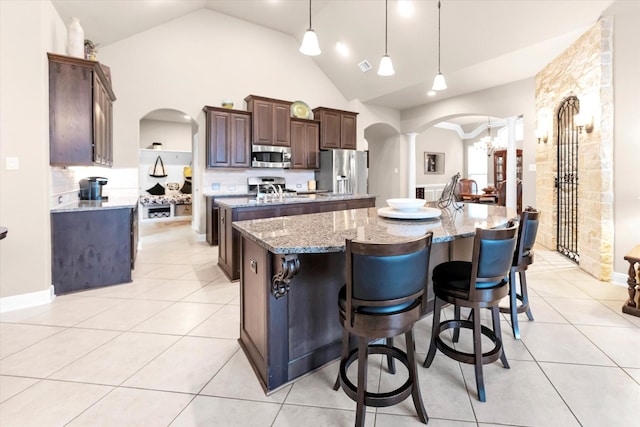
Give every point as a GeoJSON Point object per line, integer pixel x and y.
{"type": "Point", "coordinates": [422, 213]}
{"type": "Point", "coordinates": [301, 110]}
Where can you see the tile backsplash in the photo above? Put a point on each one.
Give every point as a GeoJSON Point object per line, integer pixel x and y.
{"type": "Point", "coordinates": [64, 183]}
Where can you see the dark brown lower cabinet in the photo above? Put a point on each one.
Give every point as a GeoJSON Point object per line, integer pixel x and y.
{"type": "Point", "coordinates": [92, 248]}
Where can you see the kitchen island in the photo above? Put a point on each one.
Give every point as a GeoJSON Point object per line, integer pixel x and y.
{"type": "Point", "coordinates": [245, 208]}
{"type": "Point", "coordinates": [292, 269]}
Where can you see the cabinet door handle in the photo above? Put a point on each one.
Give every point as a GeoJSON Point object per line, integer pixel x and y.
{"type": "Point", "coordinates": [222, 220]}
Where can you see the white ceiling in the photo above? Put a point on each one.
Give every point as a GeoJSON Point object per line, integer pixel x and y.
{"type": "Point", "coordinates": [485, 43]}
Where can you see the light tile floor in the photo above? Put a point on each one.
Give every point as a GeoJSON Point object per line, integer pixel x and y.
{"type": "Point", "coordinates": [163, 350]}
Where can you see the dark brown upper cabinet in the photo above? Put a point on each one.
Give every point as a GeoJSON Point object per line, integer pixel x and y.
{"type": "Point", "coordinates": [80, 113]}
{"type": "Point", "coordinates": [305, 144]}
{"type": "Point", "coordinates": [337, 128]}
{"type": "Point", "coordinates": [271, 120]}
{"type": "Point", "coordinates": [228, 142]}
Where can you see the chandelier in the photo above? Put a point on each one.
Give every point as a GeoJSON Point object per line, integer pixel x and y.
{"type": "Point", "coordinates": [488, 144]}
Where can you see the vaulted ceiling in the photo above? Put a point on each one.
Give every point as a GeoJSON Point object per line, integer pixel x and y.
{"type": "Point", "coordinates": [485, 43]}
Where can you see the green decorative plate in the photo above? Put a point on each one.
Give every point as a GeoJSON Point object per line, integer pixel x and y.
{"type": "Point", "coordinates": [301, 110]}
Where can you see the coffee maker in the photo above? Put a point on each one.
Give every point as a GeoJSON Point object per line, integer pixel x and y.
{"type": "Point", "coordinates": [91, 188]}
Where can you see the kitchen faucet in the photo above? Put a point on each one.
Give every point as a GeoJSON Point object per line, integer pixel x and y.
{"type": "Point", "coordinates": [276, 189]}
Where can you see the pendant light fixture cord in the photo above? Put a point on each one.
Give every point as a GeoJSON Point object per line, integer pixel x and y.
{"type": "Point", "coordinates": [310, 27]}
{"type": "Point", "coordinates": [438, 36]}
{"type": "Point", "coordinates": [386, 12]}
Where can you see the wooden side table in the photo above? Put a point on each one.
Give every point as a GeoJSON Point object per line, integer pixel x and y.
{"type": "Point", "coordinates": [631, 307]}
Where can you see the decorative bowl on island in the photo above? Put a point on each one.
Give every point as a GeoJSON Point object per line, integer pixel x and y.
{"type": "Point", "coordinates": [406, 205]}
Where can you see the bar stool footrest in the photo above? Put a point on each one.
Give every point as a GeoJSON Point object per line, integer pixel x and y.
{"type": "Point", "coordinates": [389, 398]}
{"type": "Point", "coordinates": [522, 308]}
{"type": "Point", "coordinates": [469, 358]}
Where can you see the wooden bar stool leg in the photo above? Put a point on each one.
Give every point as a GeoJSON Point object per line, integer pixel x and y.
{"type": "Point", "coordinates": [413, 376]}
{"type": "Point", "coordinates": [497, 330]}
{"type": "Point", "coordinates": [525, 294]}
{"type": "Point", "coordinates": [361, 408]}
{"type": "Point", "coordinates": [513, 305]}
{"type": "Point", "coordinates": [343, 356]}
{"type": "Point", "coordinates": [456, 331]}
{"type": "Point", "coordinates": [437, 307]}
{"type": "Point", "coordinates": [391, 363]}
{"type": "Point", "coordinates": [477, 350]}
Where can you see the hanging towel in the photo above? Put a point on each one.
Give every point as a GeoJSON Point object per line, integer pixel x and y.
{"type": "Point", "coordinates": [158, 170]}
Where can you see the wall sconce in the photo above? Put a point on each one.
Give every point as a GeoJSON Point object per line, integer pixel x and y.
{"type": "Point", "coordinates": [542, 136]}
{"type": "Point", "coordinates": [583, 121]}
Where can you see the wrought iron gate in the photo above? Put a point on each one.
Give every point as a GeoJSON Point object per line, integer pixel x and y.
{"type": "Point", "coordinates": [567, 179]}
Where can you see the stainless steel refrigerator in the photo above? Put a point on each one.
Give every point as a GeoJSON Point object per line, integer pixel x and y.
{"type": "Point", "coordinates": [343, 171]}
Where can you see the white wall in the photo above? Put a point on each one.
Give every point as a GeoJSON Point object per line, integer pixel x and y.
{"type": "Point", "coordinates": [439, 141]}
{"type": "Point", "coordinates": [27, 31]}
{"type": "Point", "coordinates": [626, 156]}
{"type": "Point", "coordinates": [173, 136]}
{"type": "Point", "coordinates": [200, 59]}
{"type": "Point", "coordinates": [502, 101]}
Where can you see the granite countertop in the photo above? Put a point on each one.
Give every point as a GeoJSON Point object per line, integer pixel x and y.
{"type": "Point", "coordinates": [244, 202]}
{"type": "Point", "coordinates": [113, 202]}
{"type": "Point", "coordinates": [326, 232]}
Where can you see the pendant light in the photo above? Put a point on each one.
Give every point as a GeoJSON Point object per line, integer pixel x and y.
{"type": "Point", "coordinates": [386, 67]}
{"type": "Point", "coordinates": [438, 82]}
{"type": "Point", "coordinates": [310, 40]}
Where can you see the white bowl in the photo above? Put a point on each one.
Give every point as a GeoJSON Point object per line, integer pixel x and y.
{"type": "Point", "coordinates": [406, 205]}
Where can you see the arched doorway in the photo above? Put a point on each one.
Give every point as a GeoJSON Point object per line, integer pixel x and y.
{"type": "Point", "coordinates": [165, 172]}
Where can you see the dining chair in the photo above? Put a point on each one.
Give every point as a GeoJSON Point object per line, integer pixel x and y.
{"type": "Point", "coordinates": [502, 194]}
{"type": "Point", "coordinates": [466, 186]}
{"type": "Point", "coordinates": [476, 284]}
{"type": "Point", "coordinates": [382, 299]}
{"type": "Point", "coordinates": [522, 259]}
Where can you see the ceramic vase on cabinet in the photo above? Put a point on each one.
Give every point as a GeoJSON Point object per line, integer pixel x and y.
{"type": "Point", "coordinates": [75, 39]}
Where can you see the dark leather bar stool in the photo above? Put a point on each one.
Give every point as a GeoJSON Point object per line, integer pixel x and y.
{"type": "Point", "coordinates": [522, 259]}
{"type": "Point", "coordinates": [382, 299]}
{"type": "Point", "coordinates": [481, 283]}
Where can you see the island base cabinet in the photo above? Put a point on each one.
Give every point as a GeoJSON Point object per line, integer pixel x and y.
{"type": "Point", "coordinates": [91, 249]}
{"type": "Point", "coordinates": [289, 336]}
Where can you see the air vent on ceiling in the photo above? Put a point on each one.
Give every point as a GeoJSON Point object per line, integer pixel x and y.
{"type": "Point", "coordinates": [364, 66]}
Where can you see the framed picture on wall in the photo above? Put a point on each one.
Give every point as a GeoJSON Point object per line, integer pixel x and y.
{"type": "Point", "coordinates": [433, 162]}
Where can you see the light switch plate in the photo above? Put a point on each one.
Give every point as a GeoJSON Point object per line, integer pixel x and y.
{"type": "Point", "coordinates": [532, 167]}
{"type": "Point", "coordinates": [13, 163]}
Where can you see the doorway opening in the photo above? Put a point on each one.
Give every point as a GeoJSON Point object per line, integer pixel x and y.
{"type": "Point", "coordinates": [165, 170]}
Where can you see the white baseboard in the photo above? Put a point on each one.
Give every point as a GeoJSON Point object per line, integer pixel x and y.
{"type": "Point", "coordinates": [619, 278]}
{"type": "Point", "coordinates": [201, 237]}
{"type": "Point", "coordinates": [32, 299]}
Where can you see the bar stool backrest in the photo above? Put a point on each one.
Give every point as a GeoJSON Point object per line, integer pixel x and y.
{"type": "Point", "coordinates": [492, 257]}
{"type": "Point", "coordinates": [386, 278]}
{"type": "Point", "coordinates": [526, 237]}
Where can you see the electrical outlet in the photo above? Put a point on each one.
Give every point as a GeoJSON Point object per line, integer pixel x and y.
{"type": "Point", "coordinates": [215, 186]}
{"type": "Point", "coordinates": [232, 188]}
{"type": "Point", "coordinates": [298, 185]}
{"type": "Point", "coordinates": [60, 199]}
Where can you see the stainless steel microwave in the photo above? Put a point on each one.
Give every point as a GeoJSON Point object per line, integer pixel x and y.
{"type": "Point", "coordinates": [268, 156]}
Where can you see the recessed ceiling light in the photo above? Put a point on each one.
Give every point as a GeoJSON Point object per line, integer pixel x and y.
{"type": "Point", "coordinates": [342, 49]}
{"type": "Point", "coordinates": [405, 8]}
{"type": "Point", "coordinates": [431, 93]}
{"type": "Point", "coordinates": [187, 117]}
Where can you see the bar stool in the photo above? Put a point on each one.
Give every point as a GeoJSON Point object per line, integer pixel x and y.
{"type": "Point", "coordinates": [382, 299]}
{"type": "Point", "coordinates": [522, 258]}
{"type": "Point", "coordinates": [481, 283]}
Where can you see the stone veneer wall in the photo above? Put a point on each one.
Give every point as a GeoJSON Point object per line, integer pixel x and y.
{"type": "Point", "coordinates": [585, 70]}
